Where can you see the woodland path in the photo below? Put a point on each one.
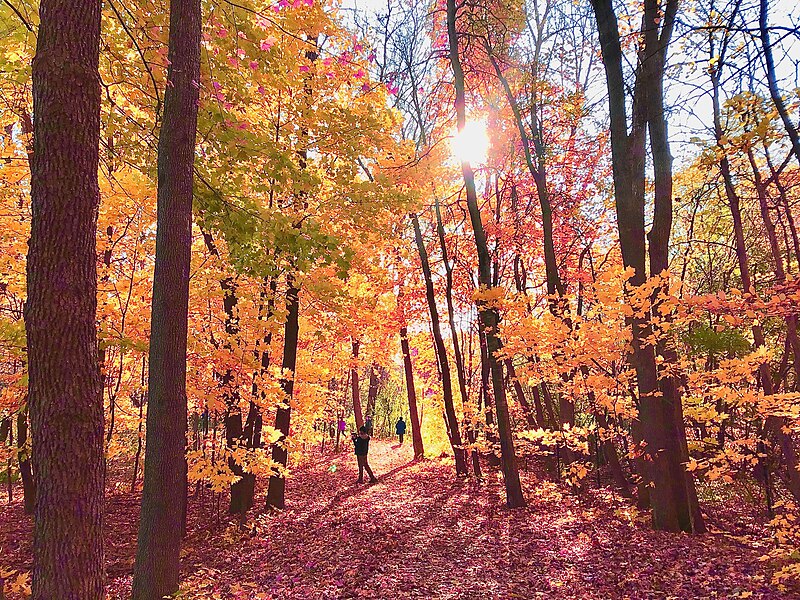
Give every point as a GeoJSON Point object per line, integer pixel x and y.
{"type": "Point", "coordinates": [421, 533]}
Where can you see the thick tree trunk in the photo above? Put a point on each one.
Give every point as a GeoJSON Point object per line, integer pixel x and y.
{"type": "Point", "coordinates": [441, 352]}
{"type": "Point", "coordinates": [416, 433]}
{"type": "Point", "coordinates": [276, 494]}
{"type": "Point", "coordinates": [684, 492]}
{"type": "Point", "coordinates": [161, 527]}
{"type": "Point", "coordinates": [64, 390]}
{"type": "Point", "coordinates": [490, 317]}
{"type": "Point", "coordinates": [658, 409]}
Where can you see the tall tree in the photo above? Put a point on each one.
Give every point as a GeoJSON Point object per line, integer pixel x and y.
{"type": "Point", "coordinates": [490, 318]}
{"type": "Point", "coordinates": [280, 452]}
{"type": "Point", "coordinates": [441, 352]}
{"type": "Point", "coordinates": [161, 524]}
{"type": "Point", "coordinates": [457, 354]}
{"type": "Point", "coordinates": [673, 496]}
{"type": "Point", "coordinates": [64, 390]}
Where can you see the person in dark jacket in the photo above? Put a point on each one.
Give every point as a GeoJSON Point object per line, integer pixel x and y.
{"type": "Point", "coordinates": [361, 444]}
{"type": "Point", "coordinates": [400, 429]}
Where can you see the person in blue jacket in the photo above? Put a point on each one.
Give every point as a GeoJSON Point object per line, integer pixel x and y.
{"type": "Point", "coordinates": [400, 429]}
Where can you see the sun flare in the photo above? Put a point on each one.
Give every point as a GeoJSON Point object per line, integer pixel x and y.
{"type": "Point", "coordinates": [472, 143]}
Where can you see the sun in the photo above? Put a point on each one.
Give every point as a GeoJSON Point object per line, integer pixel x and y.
{"type": "Point", "coordinates": [472, 143]}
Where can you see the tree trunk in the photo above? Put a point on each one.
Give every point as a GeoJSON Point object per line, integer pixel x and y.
{"type": "Point", "coordinates": [684, 491]}
{"type": "Point", "coordinates": [486, 392]}
{"type": "Point", "coordinates": [276, 495]}
{"type": "Point", "coordinates": [5, 434]}
{"type": "Point", "coordinates": [441, 352]}
{"type": "Point", "coordinates": [658, 408]}
{"type": "Point", "coordinates": [777, 258]}
{"type": "Point", "coordinates": [457, 355]}
{"type": "Point", "coordinates": [355, 388]}
{"type": "Point", "coordinates": [537, 403]}
{"type": "Point", "coordinates": [610, 454]}
{"type": "Point", "coordinates": [490, 317]}
{"type": "Point", "coordinates": [161, 526]}
{"type": "Point", "coordinates": [64, 391]}
{"type": "Point", "coordinates": [416, 433]}
{"type": "Point", "coordinates": [242, 489]}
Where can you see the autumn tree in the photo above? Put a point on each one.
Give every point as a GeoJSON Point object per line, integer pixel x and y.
{"type": "Point", "coordinates": [63, 370]}
{"type": "Point", "coordinates": [163, 514]}
{"type": "Point", "coordinates": [673, 495]}
{"type": "Point", "coordinates": [488, 314]}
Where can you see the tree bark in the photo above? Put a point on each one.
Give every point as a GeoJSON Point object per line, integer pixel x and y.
{"type": "Point", "coordinates": [610, 454]}
{"type": "Point", "coordinates": [276, 494]}
{"type": "Point", "coordinates": [684, 491]}
{"type": "Point", "coordinates": [530, 419]}
{"type": "Point", "coordinates": [161, 526]}
{"type": "Point", "coordinates": [243, 488]}
{"type": "Point", "coordinates": [64, 390]}
{"type": "Point", "coordinates": [490, 317]}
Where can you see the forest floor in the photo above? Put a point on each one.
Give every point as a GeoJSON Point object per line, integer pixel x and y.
{"type": "Point", "coordinates": [421, 533]}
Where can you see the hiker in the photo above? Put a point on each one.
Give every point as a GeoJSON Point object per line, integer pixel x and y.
{"type": "Point", "coordinates": [342, 425]}
{"type": "Point", "coordinates": [361, 444]}
{"type": "Point", "coordinates": [400, 428]}
{"type": "Point", "coordinates": [368, 425]}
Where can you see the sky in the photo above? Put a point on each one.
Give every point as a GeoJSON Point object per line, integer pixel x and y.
{"type": "Point", "coordinates": [687, 96]}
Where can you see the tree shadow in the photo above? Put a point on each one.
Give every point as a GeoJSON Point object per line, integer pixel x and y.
{"type": "Point", "coordinates": [356, 489]}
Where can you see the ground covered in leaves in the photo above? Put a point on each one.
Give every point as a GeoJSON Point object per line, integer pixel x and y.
{"type": "Point", "coordinates": [421, 533]}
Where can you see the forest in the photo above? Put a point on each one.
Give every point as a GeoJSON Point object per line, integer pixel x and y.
{"type": "Point", "coordinates": [534, 262]}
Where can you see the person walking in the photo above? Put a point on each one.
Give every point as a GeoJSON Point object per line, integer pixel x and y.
{"type": "Point", "coordinates": [361, 446]}
{"type": "Point", "coordinates": [400, 429]}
